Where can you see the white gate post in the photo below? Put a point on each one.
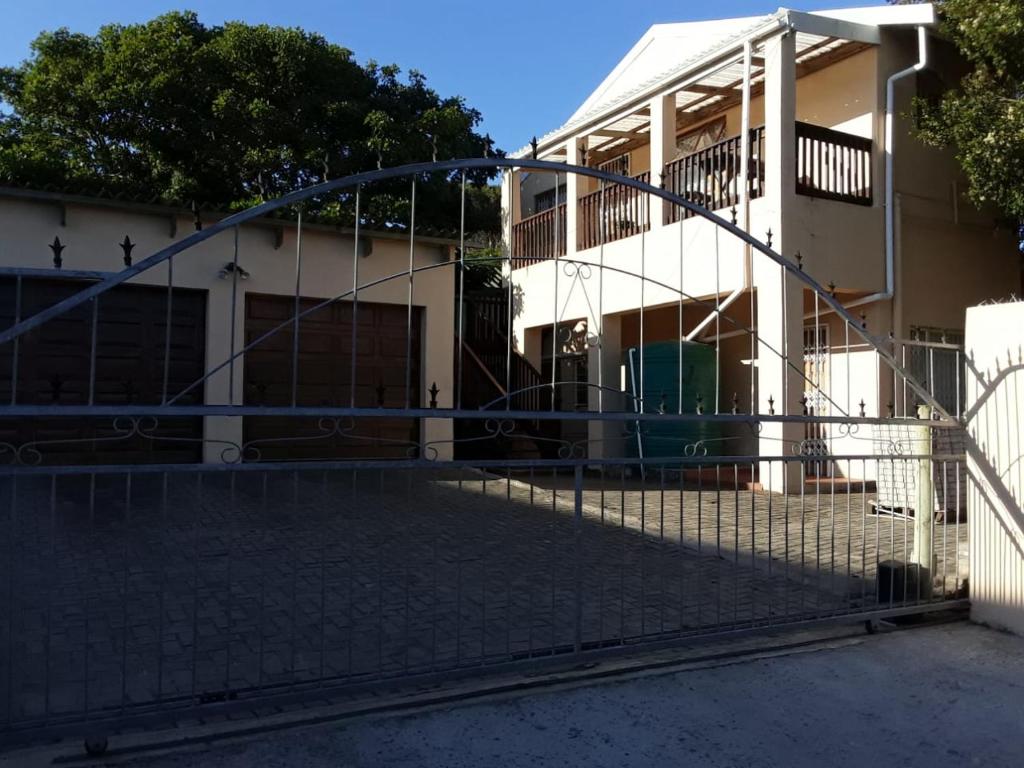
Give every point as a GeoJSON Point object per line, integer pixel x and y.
{"type": "Point", "coordinates": [924, 508]}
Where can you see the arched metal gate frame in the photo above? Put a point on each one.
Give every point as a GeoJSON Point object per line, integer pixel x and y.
{"type": "Point", "coordinates": [137, 593]}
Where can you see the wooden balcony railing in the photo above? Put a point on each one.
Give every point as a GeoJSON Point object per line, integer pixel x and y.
{"type": "Point", "coordinates": [626, 212]}
{"type": "Point", "coordinates": [830, 164]}
{"type": "Point", "coordinates": [539, 237]}
{"type": "Point", "coordinates": [710, 176]}
{"type": "Point", "coordinates": [833, 165]}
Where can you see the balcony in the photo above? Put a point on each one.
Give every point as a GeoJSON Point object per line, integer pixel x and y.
{"type": "Point", "coordinates": [833, 165]}
{"type": "Point", "coordinates": [711, 176]}
{"type": "Point", "coordinates": [539, 237]}
{"type": "Point", "coordinates": [617, 211]}
{"type": "Point", "coordinates": [828, 164]}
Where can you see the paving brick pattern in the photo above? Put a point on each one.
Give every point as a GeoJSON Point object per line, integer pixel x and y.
{"type": "Point", "coordinates": [118, 592]}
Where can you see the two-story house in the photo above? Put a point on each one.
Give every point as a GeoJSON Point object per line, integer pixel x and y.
{"type": "Point", "coordinates": [799, 128]}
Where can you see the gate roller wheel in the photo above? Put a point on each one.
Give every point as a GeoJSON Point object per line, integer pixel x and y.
{"type": "Point", "coordinates": [96, 745]}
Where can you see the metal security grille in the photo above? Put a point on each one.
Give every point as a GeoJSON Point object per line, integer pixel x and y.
{"type": "Point", "coordinates": [340, 542]}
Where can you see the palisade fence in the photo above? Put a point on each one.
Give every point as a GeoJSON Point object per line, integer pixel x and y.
{"type": "Point", "coordinates": [137, 591]}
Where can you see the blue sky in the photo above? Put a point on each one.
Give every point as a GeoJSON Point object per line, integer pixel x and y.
{"type": "Point", "coordinates": [526, 65]}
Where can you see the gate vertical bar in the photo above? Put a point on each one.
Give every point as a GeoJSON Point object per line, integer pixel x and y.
{"type": "Point", "coordinates": [232, 323]}
{"type": "Point", "coordinates": [92, 349]}
{"type": "Point", "coordinates": [408, 315]}
{"type": "Point", "coordinates": [295, 320]}
{"type": "Point", "coordinates": [17, 340]}
{"type": "Point", "coordinates": [577, 520]}
{"type": "Point", "coordinates": [460, 328]}
{"type": "Point", "coordinates": [167, 331]}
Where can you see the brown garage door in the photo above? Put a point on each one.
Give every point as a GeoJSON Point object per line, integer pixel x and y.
{"type": "Point", "coordinates": [324, 378]}
{"type": "Point", "coordinates": [54, 364]}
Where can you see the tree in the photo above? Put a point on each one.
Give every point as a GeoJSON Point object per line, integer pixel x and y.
{"type": "Point", "coordinates": [229, 116]}
{"type": "Point", "coordinates": [983, 118]}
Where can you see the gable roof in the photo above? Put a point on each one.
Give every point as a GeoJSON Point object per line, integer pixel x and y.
{"type": "Point", "coordinates": [669, 50]}
{"type": "Point", "coordinates": [663, 47]}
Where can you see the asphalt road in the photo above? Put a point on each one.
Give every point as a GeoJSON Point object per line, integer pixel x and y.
{"type": "Point", "coordinates": [949, 695]}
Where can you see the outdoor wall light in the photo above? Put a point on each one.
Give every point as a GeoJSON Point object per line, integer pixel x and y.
{"type": "Point", "coordinates": [229, 269]}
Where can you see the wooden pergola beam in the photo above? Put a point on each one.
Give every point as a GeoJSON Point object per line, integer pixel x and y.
{"type": "Point", "coordinates": [708, 90]}
{"type": "Point", "coordinates": [805, 68]}
{"type": "Point", "coordinates": [608, 132]}
{"type": "Point", "coordinates": [686, 120]}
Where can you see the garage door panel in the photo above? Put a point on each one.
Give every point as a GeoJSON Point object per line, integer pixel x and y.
{"type": "Point", "coordinates": [54, 366]}
{"type": "Point", "coordinates": [324, 362]}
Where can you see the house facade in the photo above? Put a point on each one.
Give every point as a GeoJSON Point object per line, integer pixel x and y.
{"type": "Point", "coordinates": [799, 129]}
{"type": "Point", "coordinates": [386, 344]}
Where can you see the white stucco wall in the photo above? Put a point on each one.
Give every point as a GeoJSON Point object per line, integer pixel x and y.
{"type": "Point", "coordinates": [995, 463]}
{"type": "Point", "coordinates": [92, 233]}
{"type": "Point", "coordinates": [712, 262]}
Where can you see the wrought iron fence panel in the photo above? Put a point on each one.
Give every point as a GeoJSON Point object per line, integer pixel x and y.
{"type": "Point", "coordinates": [366, 526]}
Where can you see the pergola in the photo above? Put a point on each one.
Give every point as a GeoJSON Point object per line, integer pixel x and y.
{"type": "Point", "coordinates": [706, 85]}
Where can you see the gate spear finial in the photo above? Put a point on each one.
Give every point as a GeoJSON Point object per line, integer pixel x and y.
{"type": "Point", "coordinates": [58, 248]}
{"type": "Point", "coordinates": [127, 246]}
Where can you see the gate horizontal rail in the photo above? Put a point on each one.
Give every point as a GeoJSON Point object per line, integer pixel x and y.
{"type": "Point", "coordinates": [448, 413]}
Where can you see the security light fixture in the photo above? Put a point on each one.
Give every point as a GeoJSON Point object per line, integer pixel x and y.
{"type": "Point", "coordinates": [231, 268]}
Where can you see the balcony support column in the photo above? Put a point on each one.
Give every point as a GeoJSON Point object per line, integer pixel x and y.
{"type": "Point", "coordinates": [511, 207]}
{"type": "Point", "coordinates": [779, 297]}
{"type": "Point", "coordinates": [570, 193]}
{"type": "Point", "coordinates": [663, 149]}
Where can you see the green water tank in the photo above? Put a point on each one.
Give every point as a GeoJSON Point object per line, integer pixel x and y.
{"type": "Point", "coordinates": [662, 363]}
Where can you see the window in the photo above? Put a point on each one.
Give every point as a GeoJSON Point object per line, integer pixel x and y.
{"type": "Point", "coordinates": [939, 335]}
{"type": "Point", "coordinates": [933, 359]}
{"type": "Point", "coordinates": [619, 165]}
{"type": "Point", "coordinates": [545, 201]}
{"type": "Point", "coordinates": [816, 366]}
{"type": "Point", "coordinates": [815, 342]}
{"type": "Point", "coordinates": [816, 401]}
{"type": "Point", "coordinates": [701, 138]}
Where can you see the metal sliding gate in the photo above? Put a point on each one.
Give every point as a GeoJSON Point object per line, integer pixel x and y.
{"type": "Point", "coordinates": [142, 589]}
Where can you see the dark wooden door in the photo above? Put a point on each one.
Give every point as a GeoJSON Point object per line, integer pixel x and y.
{"type": "Point", "coordinates": [55, 364]}
{"type": "Point", "coordinates": [325, 378]}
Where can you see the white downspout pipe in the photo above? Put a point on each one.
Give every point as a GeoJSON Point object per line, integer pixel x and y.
{"type": "Point", "coordinates": [890, 193]}
{"type": "Point", "coordinates": [890, 185]}
{"type": "Point", "coordinates": [744, 194]}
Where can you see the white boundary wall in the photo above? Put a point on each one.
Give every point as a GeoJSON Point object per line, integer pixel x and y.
{"type": "Point", "coordinates": [995, 452]}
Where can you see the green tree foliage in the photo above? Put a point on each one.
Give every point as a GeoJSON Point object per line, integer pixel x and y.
{"type": "Point", "coordinates": [231, 116]}
{"type": "Point", "coordinates": [983, 118]}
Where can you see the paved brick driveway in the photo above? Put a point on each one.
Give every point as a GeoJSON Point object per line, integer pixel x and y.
{"type": "Point", "coordinates": [121, 592]}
